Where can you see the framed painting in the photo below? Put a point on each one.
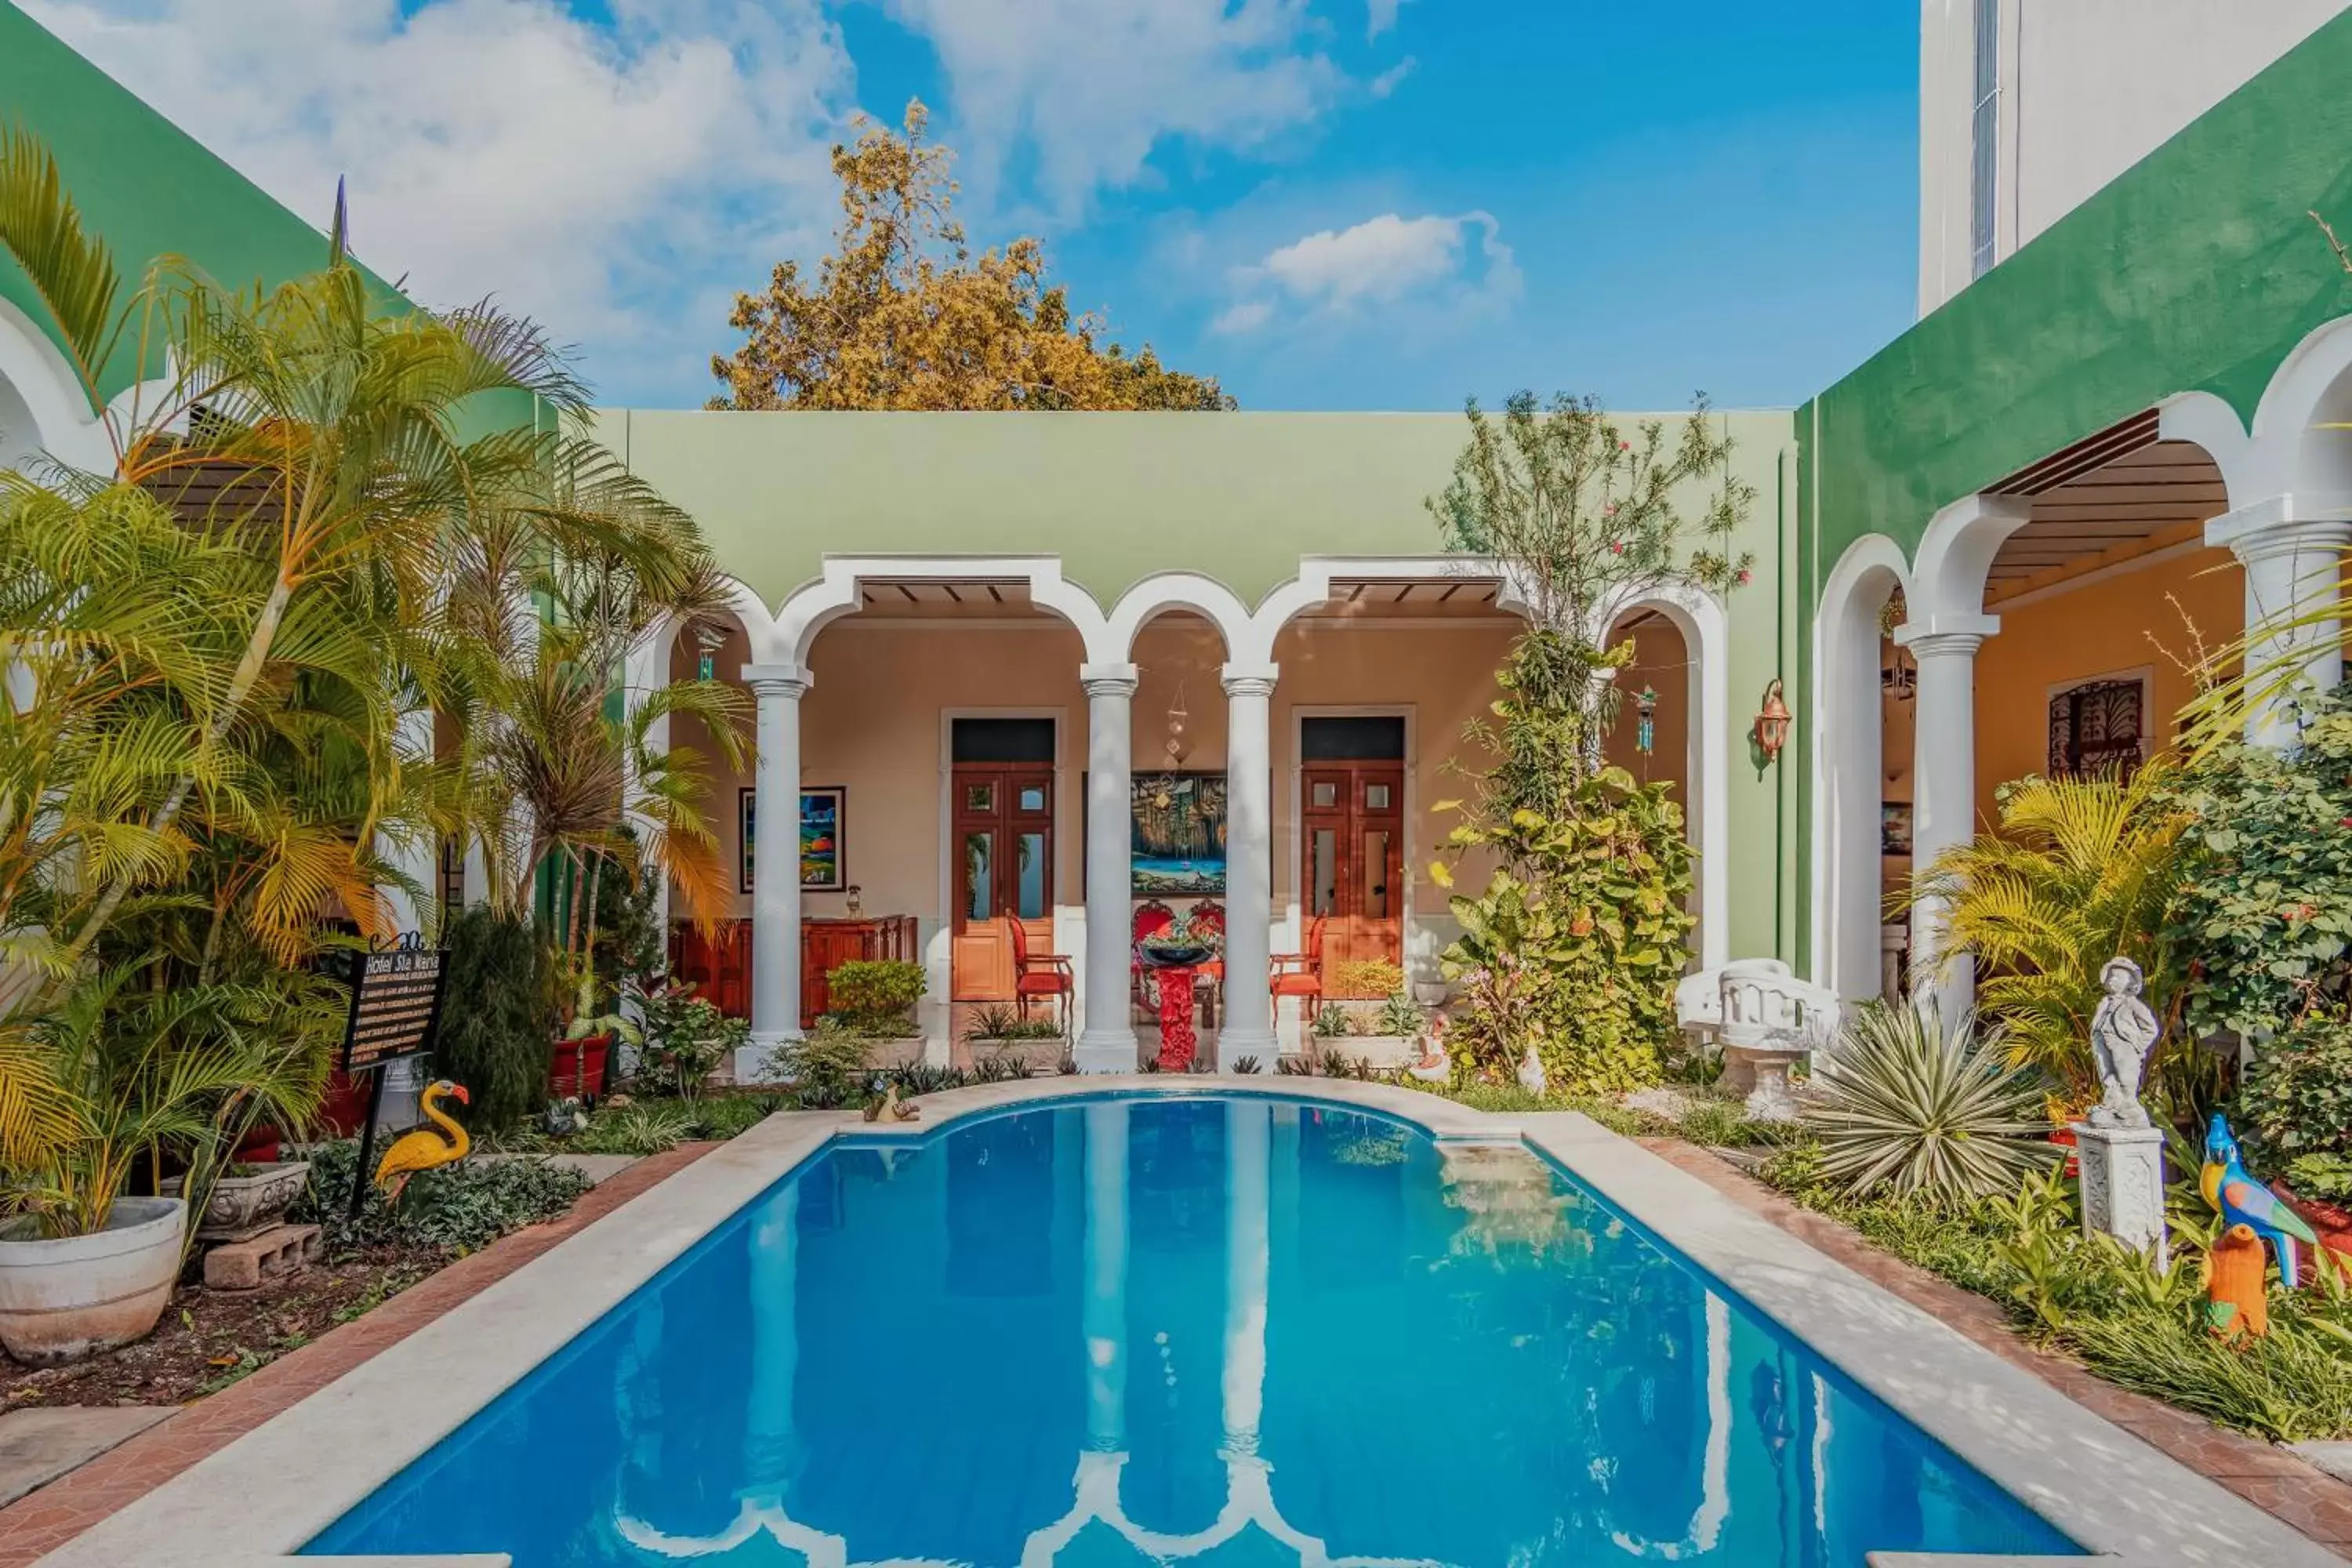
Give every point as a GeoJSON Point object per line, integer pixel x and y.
{"type": "Point", "coordinates": [1895, 827]}
{"type": "Point", "coordinates": [1176, 837]}
{"type": "Point", "coordinates": [825, 811]}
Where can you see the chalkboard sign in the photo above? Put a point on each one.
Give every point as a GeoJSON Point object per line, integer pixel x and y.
{"type": "Point", "coordinates": [395, 1005]}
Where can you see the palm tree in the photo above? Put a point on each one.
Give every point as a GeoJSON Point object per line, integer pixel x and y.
{"type": "Point", "coordinates": [2080, 870]}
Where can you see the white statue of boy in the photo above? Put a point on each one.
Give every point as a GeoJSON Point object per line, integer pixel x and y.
{"type": "Point", "coordinates": [2123, 1037]}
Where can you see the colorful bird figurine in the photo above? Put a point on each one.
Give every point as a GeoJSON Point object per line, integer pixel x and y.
{"type": "Point", "coordinates": [2241, 1200]}
{"type": "Point", "coordinates": [424, 1148]}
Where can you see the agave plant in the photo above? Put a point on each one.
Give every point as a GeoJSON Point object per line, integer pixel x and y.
{"type": "Point", "coordinates": [1907, 1107]}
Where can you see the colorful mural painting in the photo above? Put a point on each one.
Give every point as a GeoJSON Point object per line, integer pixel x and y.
{"type": "Point", "coordinates": [824, 810]}
{"type": "Point", "coordinates": [1178, 840]}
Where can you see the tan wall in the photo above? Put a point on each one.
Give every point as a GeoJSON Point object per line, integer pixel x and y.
{"type": "Point", "coordinates": [1662, 664]}
{"type": "Point", "coordinates": [2104, 627]}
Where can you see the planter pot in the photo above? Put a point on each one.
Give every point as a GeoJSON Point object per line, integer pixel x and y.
{"type": "Point", "coordinates": [577, 1068]}
{"type": "Point", "coordinates": [2331, 1224]}
{"type": "Point", "coordinates": [1431, 994]}
{"type": "Point", "coordinates": [2064, 1138]}
{"type": "Point", "coordinates": [902, 1051]}
{"type": "Point", "coordinates": [1040, 1055]}
{"type": "Point", "coordinates": [247, 1202]}
{"type": "Point", "coordinates": [63, 1299]}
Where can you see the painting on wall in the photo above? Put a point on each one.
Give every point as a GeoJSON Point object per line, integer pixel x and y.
{"type": "Point", "coordinates": [825, 809]}
{"type": "Point", "coordinates": [1895, 827]}
{"type": "Point", "coordinates": [1176, 834]}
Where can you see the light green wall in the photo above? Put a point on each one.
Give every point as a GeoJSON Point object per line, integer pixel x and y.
{"type": "Point", "coordinates": [1239, 497]}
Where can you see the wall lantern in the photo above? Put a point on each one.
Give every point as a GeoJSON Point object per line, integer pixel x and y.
{"type": "Point", "coordinates": [1772, 723]}
{"type": "Point", "coordinates": [1646, 709]}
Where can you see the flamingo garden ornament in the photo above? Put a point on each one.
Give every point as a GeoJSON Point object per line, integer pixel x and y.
{"type": "Point", "coordinates": [425, 1147]}
{"type": "Point", "coordinates": [2243, 1201]}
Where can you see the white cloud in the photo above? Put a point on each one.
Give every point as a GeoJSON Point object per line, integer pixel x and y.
{"type": "Point", "coordinates": [1384, 262]}
{"type": "Point", "coordinates": [1380, 17]}
{"type": "Point", "coordinates": [614, 181]}
{"type": "Point", "coordinates": [1084, 90]}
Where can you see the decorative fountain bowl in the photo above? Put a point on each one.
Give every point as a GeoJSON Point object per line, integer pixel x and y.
{"type": "Point", "coordinates": [1190, 955]}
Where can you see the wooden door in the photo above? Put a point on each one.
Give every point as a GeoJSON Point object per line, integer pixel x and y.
{"type": "Point", "coordinates": [1003, 848]}
{"type": "Point", "coordinates": [1351, 868]}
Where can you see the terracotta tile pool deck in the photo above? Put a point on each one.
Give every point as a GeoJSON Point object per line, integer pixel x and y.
{"type": "Point", "coordinates": [2265, 1475]}
{"type": "Point", "coordinates": [47, 1519]}
{"type": "Point", "coordinates": [2282, 1484]}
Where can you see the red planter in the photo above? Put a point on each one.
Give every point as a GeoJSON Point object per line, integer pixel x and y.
{"type": "Point", "coordinates": [578, 1067]}
{"type": "Point", "coordinates": [2065, 1138]}
{"type": "Point", "coordinates": [2332, 1224]}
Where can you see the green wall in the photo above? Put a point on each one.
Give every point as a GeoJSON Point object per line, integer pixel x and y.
{"type": "Point", "coordinates": [142, 184]}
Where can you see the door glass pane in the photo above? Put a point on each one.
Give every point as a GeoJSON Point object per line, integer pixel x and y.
{"type": "Point", "coordinates": [1323, 872]}
{"type": "Point", "coordinates": [1376, 874]}
{"type": "Point", "coordinates": [1325, 792]}
{"type": "Point", "coordinates": [1032, 797]}
{"type": "Point", "coordinates": [979, 797]}
{"type": "Point", "coordinates": [980, 876]}
{"type": "Point", "coordinates": [1376, 797]}
{"type": "Point", "coordinates": [1030, 901]}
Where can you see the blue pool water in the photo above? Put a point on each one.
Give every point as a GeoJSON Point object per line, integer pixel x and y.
{"type": "Point", "coordinates": [1127, 1332]}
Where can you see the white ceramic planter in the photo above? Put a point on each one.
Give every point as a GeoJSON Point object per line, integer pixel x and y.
{"type": "Point", "coordinates": [245, 1202]}
{"type": "Point", "coordinates": [63, 1299]}
{"type": "Point", "coordinates": [1040, 1056]}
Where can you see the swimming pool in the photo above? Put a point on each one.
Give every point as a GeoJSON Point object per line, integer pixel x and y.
{"type": "Point", "coordinates": [1124, 1330]}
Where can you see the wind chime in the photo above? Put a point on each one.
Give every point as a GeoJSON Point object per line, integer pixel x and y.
{"type": "Point", "coordinates": [1176, 748]}
{"type": "Point", "coordinates": [709, 639]}
{"type": "Point", "coordinates": [1645, 713]}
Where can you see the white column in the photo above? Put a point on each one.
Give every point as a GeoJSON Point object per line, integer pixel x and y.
{"type": "Point", "coordinates": [418, 854]}
{"type": "Point", "coordinates": [1943, 785]}
{"type": "Point", "coordinates": [2295, 569]}
{"type": "Point", "coordinates": [1106, 1042]}
{"type": "Point", "coordinates": [1248, 1028]}
{"type": "Point", "coordinates": [776, 864]}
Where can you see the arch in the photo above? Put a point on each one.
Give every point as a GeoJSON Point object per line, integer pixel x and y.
{"type": "Point", "coordinates": [839, 589]}
{"type": "Point", "coordinates": [1287, 601]}
{"type": "Point", "coordinates": [2210, 423]}
{"type": "Point", "coordinates": [42, 407]}
{"type": "Point", "coordinates": [1847, 762]}
{"type": "Point", "coordinates": [2312, 388]}
{"type": "Point", "coordinates": [1163, 593]}
{"type": "Point", "coordinates": [1955, 552]}
{"type": "Point", "coordinates": [1706, 631]}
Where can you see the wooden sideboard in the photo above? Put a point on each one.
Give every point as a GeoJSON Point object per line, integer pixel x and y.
{"type": "Point", "coordinates": [720, 964]}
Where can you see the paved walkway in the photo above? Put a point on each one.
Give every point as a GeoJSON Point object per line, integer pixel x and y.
{"type": "Point", "coordinates": [2265, 1474]}
{"type": "Point", "coordinates": [54, 1515]}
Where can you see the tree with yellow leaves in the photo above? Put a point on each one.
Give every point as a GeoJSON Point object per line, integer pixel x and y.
{"type": "Point", "coordinates": [904, 316]}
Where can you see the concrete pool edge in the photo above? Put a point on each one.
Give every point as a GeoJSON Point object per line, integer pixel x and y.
{"type": "Point", "coordinates": [2102, 1486]}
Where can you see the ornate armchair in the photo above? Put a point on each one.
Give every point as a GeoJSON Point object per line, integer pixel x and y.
{"type": "Point", "coordinates": [1207, 921]}
{"type": "Point", "coordinates": [1300, 974]}
{"type": "Point", "coordinates": [1036, 974]}
{"type": "Point", "coordinates": [1143, 985]}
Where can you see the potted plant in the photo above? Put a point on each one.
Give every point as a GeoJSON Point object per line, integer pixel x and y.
{"type": "Point", "coordinates": [92, 1083]}
{"type": "Point", "coordinates": [685, 1039]}
{"type": "Point", "coordinates": [874, 999]}
{"type": "Point", "coordinates": [999, 1029]}
{"type": "Point", "coordinates": [577, 1067]}
{"type": "Point", "coordinates": [247, 1195]}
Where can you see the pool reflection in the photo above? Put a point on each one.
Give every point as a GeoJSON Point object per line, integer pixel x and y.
{"type": "Point", "coordinates": [1243, 1332]}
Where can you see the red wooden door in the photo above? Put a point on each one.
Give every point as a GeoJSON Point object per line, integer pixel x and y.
{"type": "Point", "coordinates": [1004, 849]}
{"type": "Point", "coordinates": [1351, 866]}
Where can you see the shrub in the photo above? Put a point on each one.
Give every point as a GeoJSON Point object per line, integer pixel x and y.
{"type": "Point", "coordinates": [2265, 903]}
{"type": "Point", "coordinates": [2295, 1101]}
{"type": "Point", "coordinates": [497, 1018]}
{"type": "Point", "coordinates": [684, 1038]}
{"type": "Point", "coordinates": [453, 1208]}
{"type": "Point", "coordinates": [876, 995]}
{"type": "Point", "coordinates": [1908, 1110]}
{"type": "Point", "coordinates": [1332, 1022]}
{"type": "Point", "coordinates": [826, 1066]}
{"type": "Point", "coordinates": [640, 1127]}
{"type": "Point", "coordinates": [1367, 977]}
{"type": "Point", "coordinates": [1001, 1021]}
{"type": "Point", "coordinates": [1401, 1017]}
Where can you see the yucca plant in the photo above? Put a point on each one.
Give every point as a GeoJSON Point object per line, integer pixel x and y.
{"type": "Point", "coordinates": [1902, 1106]}
{"type": "Point", "coordinates": [2079, 871]}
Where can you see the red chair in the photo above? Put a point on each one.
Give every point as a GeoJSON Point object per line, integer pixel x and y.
{"type": "Point", "coordinates": [1207, 921]}
{"type": "Point", "coordinates": [1300, 974]}
{"type": "Point", "coordinates": [1040, 974]}
{"type": "Point", "coordinates": [1151, 916]}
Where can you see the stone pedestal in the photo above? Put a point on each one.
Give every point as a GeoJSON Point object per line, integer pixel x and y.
{"type": "Point", "coordinates": [2122, 1183]}
{"type": "Point", "coordinates": [1762, 1073]}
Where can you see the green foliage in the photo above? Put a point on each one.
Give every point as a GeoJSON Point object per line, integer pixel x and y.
{"type": "Point", "coordinates": [1576, 950]}
{"type": "Point", "coordinates": [1904, 1107]}
{"type": "Point", "coordinates": [1001, 1021]}
{"type": "Point", "coordinates": [1400, 1017]}
{"type": "Point", "coordinates": [2265, 903]}
{"type": "Point", "coordinates": [826, 1066]}
{"type": "Point", "coordinates": [1246, 1065]}
{"type": "Point", "coordinates": [1367, 977]}
{"type": "Point", "coordinates": [2080, 871]}
{"type": "Point", "coordinates": [1331, 1021]}
{"type": "Point", "coordinates": [876, 995]}
{"type": "Point", "coordinates": [456, 1209]}
{"type": "Point", "coordinates": [2296, 1101]}
{"type": "Point", "coordinates": [2325, 1177]}
{"type": "Point", "coordinates": [640, 1127]}
{"type": "Point", "coordinates": [497, 1018]}
{"type": "Point", "coordinates": [684, 1038]}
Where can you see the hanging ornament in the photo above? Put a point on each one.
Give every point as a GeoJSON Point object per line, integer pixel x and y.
{"type": "Point", "coordinates": [1645, 733]}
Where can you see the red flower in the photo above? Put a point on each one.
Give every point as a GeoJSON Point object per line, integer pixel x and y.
{"type": "Point", "coordinates": [1746, 575]}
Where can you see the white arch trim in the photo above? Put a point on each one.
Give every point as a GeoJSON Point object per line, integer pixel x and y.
{"type": "Point", "coordinates": [1847, 760]}
{"type": "Point", "coordinates": [2207, 421]}
{"type": "Point", "coordinates": [63, 424]}
{"type": "Point", "coordinates": [1956, 554]}
{"type": "Point", "coordinates": [1706, 631]}
{"type": "Point", "coordinates": [840, 588]}
{"type": "Point", "coordinates": [1163, 593]}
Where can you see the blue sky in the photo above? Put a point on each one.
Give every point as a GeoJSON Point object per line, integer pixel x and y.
{"type": "Point", "coordinates": [1327, 204]}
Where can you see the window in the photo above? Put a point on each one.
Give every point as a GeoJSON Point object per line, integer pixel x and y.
{"type": "Point", "coordinates": [1984, 139]}
{"type": "Point", "coordinates": [2095, 729]}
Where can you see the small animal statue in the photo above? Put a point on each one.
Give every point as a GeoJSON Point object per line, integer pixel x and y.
{"type": "Point", "coordinates": [2243, 1201]}
{"type": "Point", "coordinates": [2237, 1304]}
{"type": "Point", "coordinates": [888, 1108]}
{"type": "Point", "coordinates": [2123, 1037]}
{"type": "Point", "coordinates": [1433, 1065]}
{"type": "Point", "coordinates": [1531, 1073]}
{"type": "Point", "coordinates": [425, 1147]}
